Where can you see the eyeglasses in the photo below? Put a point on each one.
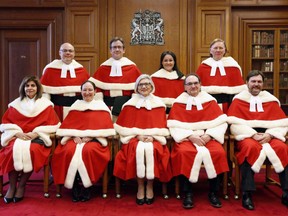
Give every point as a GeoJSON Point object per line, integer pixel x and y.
{"type": "Point", "coordinates": [67, 50]}
{"type": "Point", "coordinates": [192, 83]}
{"type": "Point", "coordinates": [141, 85]}
{"type": "Point", "coordinates": [116, 47]}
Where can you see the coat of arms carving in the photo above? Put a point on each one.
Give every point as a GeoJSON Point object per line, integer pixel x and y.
{"type": "Point", "coordinates": [147, 27]}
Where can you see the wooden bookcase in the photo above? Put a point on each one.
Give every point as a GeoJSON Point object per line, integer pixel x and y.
{"type": "Point", "coordinates": [269, 54]}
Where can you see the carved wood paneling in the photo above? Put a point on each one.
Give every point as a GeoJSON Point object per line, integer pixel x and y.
{"type": "Point", "coordinates": [212, 2]}
{"type": "Point", "coordinates": [82, 24]}
{"type": "Point", "coordinates": [82, 2]}
{"type": "Point", "coordinates": [88, 60]}
{"type": "Point", "coordinates": [52, 3]}
{"type": "Point", "coordinates": [147, 57]}
{"type": "Point", "coordinates": [211, 23]}
{"type": "Point", "coordinates": [244, 2]}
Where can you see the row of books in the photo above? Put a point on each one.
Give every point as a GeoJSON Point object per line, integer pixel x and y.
{"type": "Point", "coordinates": [262, 52]}
{"type": "Point", "coordinates": [262, 37]}
{"type": "Point", "coordinates": [284, 37]}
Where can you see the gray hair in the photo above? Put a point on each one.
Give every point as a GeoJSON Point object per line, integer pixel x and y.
{"type": "Point", "coordinates": [141, 77]}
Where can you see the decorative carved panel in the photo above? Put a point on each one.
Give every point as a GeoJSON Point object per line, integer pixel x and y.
{"type": "Point", "coordinates": [81, 27]}
{"type": "Point", "coordinates": [82, 2]}
{"type": "Point", "coordinates": [212, 3]}
{"type": "Point", "coordinates": [211, 23]}
{"type": "Point", "coordinates": [88, 60]}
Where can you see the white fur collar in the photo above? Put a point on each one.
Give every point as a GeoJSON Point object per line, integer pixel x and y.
{"type": "Point", "coordinates": [82, 105]}
{"type": "Point", "coordinates": [264, 95]}
{"type": "Point", "coordinates": [227, 62]}
{"type": "Point", "coordinates": [124, 61]}
{"type": "Point", "coordinates": [22, 106]}
{"type": "Point", "coordinates": [202, 96]}
{"type": "Point", "coordinates": [154, 101]}
{"type": "Point", "coordinates": [162, 73]}
{"type": "Point", "coordinates": [57, 63]}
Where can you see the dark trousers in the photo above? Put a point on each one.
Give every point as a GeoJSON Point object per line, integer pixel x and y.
{"type": "Point", "coordinates": [248, 183]}
{"type": "Point", "coordinates": [187, 185]}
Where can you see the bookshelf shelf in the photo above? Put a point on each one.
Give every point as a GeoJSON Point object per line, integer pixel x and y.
{"type": "Point", "coordinates": [269, 54]}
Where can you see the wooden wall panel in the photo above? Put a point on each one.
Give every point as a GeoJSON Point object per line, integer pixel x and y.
{"type": "Point", "coordinates": [88, 60]}
{"type": "Point", "coordinates": [82, 2]}
{"type": "Point", "coordinates": [212, 2]}
{"type": "Point", "coordinates": [147, 56]}
{"type": "Point", "coordinates": [211, 23]}
{"type": "Point", "coordinates": [82, 24]}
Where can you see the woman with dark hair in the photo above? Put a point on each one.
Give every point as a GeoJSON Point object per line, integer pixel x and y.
{"type": "Point", "coordinates": [26, 127]}
{"type": "Point", "coordinates": [144, 154]}
{"type": "Point", "coordinates": [221, 76]}
{"type": "Point", "coordinates": [83, 154]}
{"type": "Point", "coordinates": [168, 79]}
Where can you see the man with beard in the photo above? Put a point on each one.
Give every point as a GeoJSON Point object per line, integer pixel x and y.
{"type": "Point", "coordinates": [259, 125]}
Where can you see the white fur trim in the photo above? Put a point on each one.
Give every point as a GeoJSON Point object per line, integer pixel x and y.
{"type": "Point", "coordinates": [81, 105]}
{"type": "Point", "coordinates": [278, 133]}
{"type": "Point", "coordinates": [224, 89]}
{"type": "Point", "coordinates": [197, 125]}
{"type": "Point", "coordinates": [267, 151]}
{"type": "Point", "coordinates": [21, 155]}
{"type": "Point", "coordinates": [218, 132]}
{"type": "Point", "coordinates": [162, 73]}
{"type": "Point", "coordinates": [194, 174]}
{"type": "Point", "coordinates": [154, 101]}
{"type": "Point", "coordinates": [40, 105]}
{"type": "Point", "coordinates": [9, 132]}
{"type": "Point", "coordinates": [86, 133]}
{"type": "Point", "coordinates": [61, 89]}
{"type": "Point", "coordinates": [140, 166]}
{"type": "Point", "coordinates": [77, 164]}
{"type": "Point", "coordinates": [112, 86]}
{"type": "Point", "coordinates": [124, 131]}
{"type": "Point", "coordinates": [227, 62]}
{"type": "Point", "coordinates": [264, 95]}
{"type": "Point", "coordinates": [149, 155]}
{"type": "Point", "coordinates": [124, 61]}
{"type": "Point", "coordinates": [242, 131]}
{"type": "Point", "coordinates": [58, 63]}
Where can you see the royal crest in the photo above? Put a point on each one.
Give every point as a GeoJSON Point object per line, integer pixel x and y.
{"type": "Point", "coordinates": [147, 28]}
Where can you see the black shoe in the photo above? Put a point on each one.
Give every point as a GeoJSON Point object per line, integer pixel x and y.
{"type": "Point", "coordinates": [76, 190]}
{"type": "Point", "coordinates": [149, 201]}
{"type": "Point", "coordinates": [187, 202]}
{"type": "Point", "coordinates": [247, 201]}
{"type": "Point", "coordinates": [86, 195]}
{"type": "Point", "coordinates": [214, 200]}
{"type": "Point", "coordinates": [284, 200]}
{"type": "Point", "coordinates": [8, 200]}
{"type": "Point", "coordinates": [140, 201]}
{"type": "Point", "coordinates": [17, 199]}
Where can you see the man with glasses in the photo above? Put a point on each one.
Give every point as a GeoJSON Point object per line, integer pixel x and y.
{"type": "Point", "coordinates": [62, 78]}
{"type": "Point", "coordinates": [197, 125]}
{"type": "Point", "coordinates": [116, 77]}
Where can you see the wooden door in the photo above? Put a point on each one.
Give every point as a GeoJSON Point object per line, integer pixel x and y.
{"type": "Point", "coordinates": [23, 52]}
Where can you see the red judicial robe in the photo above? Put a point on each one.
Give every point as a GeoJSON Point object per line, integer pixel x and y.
{"type": "Point", "coordinates": [148, 118]}
{"type": "Point", "coordinates": [85, 119]}
{"type": "Point", "coordinates": [244, 124]}
{"type": "Point", "coordinates": [67, 86]}
{"type": "Point", "coordinates": [229, 83]}
{"type": "Point", "coordinates": [186, 157]}
{"type": "Point", "coordinates": [22, 116]}
{"type": "Point", "coordinates": [167, 85]}
{"type": "Point", "coordinates": [113, 86]}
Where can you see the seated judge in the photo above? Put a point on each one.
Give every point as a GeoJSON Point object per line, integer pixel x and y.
{"type": "Point", "coordinates": [26, 126]}
{"type": "Point", "coordinates": [197, 125]}
{"type": "Point", "coordinates": [259, 125]}
{"type": "Point", "coordinates": [82, 156]}
{"type": "Point", "coordinates": [142, 128]}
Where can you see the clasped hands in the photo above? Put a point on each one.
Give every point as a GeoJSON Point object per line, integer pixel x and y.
{"type": "Point", "coordinates": [200, 140]}
{"type": "Point", "coordinates": [262, 137]}
{"type": "Point", "coordinates": [144, 138]}
{"type": "Point", "coordinates": [26, 136]}
{"type": "Point", "coordinates": [79, 140]}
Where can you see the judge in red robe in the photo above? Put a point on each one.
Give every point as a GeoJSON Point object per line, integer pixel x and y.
{"type": "Point", "coordinates": [259, 126]}
{"type": "Point", "coordinates": [61, 80]}
{"type": "Point", "coordinates": [197, 124]}
{"type": "Point", "coordinates": [168, 79]}
{"type": "Point", "coordinates": [142, 129]}
{"type": "Point", "coordinates": [221, 76]}
{"type": "Point", "coordinates": [83, 152]}
{"type": "Point", "coordinates": [26, 127]}
{"type": "Point", "coordinates": [115, 78]}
